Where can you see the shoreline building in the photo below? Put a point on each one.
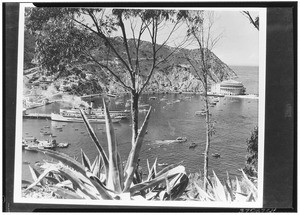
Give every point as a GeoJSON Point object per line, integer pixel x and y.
{"type": "Point", "coordinates": [228, 87]}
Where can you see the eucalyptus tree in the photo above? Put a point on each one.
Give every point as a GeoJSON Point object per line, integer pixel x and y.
{"type": "Point", "coordinates": [112, 40]}
{"type": "Point", "coordinates": [199, 29]}
{"type": "Point", "coordinates": [253, 21]}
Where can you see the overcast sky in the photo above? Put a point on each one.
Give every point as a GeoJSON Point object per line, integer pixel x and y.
{"type": "Point", "coordinates": [239, 44]}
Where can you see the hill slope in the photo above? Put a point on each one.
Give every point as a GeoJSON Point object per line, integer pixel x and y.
{"type": "Point", "coordinates": [175, 74]}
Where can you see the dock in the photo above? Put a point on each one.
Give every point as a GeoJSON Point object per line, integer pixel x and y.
{"type": "Point", "coordinates": [36, 116]}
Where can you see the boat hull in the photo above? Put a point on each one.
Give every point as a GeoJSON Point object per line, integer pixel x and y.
{"type": "Point", "coordinates": [60, 118]}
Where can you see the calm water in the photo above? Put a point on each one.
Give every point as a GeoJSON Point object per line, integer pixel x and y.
{"type": "Point", "coordinates": [235, 119]}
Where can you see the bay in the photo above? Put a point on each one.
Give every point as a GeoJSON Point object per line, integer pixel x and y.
{"type": "Point", "coordinates": [235, 119]}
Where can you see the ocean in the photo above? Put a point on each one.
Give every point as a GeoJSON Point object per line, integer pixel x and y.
{"type": "Point", "coordinates": [234, 119]}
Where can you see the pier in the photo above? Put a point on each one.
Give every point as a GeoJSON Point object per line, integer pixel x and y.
{"type": "Point", "coordinates": [36, 116]}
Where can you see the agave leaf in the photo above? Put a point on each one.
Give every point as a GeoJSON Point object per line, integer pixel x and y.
{"type": "Point", "coordinates": [203, 194]}
{"type": "Point", "coordinates": [134, 153]}
{"type": "Point", "coordinates": [94, 163]}
{"type": "Point", "coordinates": [252, 187]}
{"type": "Point", "coordinates": [35, 174]}
{"type": "Point", "coordinates": [53, 168]}
{"type": "Point", "coordinates": [96, 167]}
{"type": "Point", "coordinates": [152, 173]}
{"type": "Point", "coordinates": [66, 194]}
{"type": "Point", "coordinates": [238, 186]}
{"type": "Point", "coordinates": [151, 195]}
{"type": "Point", "coordinates": [113, 180]}
{"type": "Point", "coordinates": [154, 182]}
{"type": "Point", "coordinates": [229, 181]}
{"type": "Point", "coordinates": [219, 189]}
{"type": "Point", "coordinates": [148, 167]}
{"type": "Point", "coordinates": [80, 182]}
{"type": "Point", "coordinates": [177, 186]}
{"type": "Point", "coordinates": [167, 168]}
{"type": "Point", "coordinates": [95, 139]}
{"type": "Point", "coordinates": [250, 197]}
{"type": "Point", "coordinates": [162, 195]}
{"type": "Point", "coordinates": [104, 192]}
{"type": "Point", "coordinates": [85, 160]}
{"type": "Point", "coordinates": [65, 159]}
{"type": "Point", "coordinates": [53, 180]}
{"type": "Point", "coordinates": [230, 191]}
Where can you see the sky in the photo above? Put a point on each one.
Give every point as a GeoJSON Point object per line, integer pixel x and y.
{"type": "Point", "coordinates": [239, 44]}
{"type": "Point", "coordinates": [239, 41]}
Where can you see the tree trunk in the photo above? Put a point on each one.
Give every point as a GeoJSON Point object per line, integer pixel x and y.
{"type": "Point", "coordinates": [207, 139]}
{"type": "Point", "coordinates": [134, 114]}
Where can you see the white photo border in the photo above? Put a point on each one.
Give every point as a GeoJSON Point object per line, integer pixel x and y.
{"type": "Point", "coordinates": [261, 120]}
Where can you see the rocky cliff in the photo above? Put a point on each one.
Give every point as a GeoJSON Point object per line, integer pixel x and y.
{"type": "Point", "coordinates": [174, 75]}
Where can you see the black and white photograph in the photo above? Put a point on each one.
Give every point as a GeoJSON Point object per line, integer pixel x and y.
{"type": "Point", "coordinates": [140, 106]}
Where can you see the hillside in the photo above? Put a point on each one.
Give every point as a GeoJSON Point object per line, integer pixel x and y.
{"type": "Point", "coordinates": [175, 74]}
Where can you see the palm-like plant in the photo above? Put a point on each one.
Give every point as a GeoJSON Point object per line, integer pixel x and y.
{"type": "Point", "coordinates": [106, 177]}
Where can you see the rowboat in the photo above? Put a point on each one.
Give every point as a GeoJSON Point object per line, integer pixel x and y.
{"type": "Point", "coordinates": [60, 118]}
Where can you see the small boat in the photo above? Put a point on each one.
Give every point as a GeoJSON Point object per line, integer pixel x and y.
{"type": "Point", "coordinates": [163, 99]}
{"type": "Point", "coordinates": [46, 133]}
{"type": "Point", "coordinates": [63, 145]}
{"type": "Point", "coordinates": [152, 98]}
{"type": "Point", "coordinates": [31, 148]}
{"type": "Point", "coordinates": [45, 144]}
{"type": "Point", "coordinates": [193, 145]}
{"type": "Point", "coordinates": [216, 155]}
{"type": "Point", "coordinates": [178, 140]}
{"type": "Point", "coordinates": [60, 118]}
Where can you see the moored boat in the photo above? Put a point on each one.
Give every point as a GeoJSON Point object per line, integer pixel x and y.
{"type": "Point", "coordinates": [178, 140]}
{"type": "Point", "coordinates": [60, 118]}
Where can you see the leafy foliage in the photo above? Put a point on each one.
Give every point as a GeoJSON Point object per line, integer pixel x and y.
{"type": "Point", "coordinates": [252, 156]}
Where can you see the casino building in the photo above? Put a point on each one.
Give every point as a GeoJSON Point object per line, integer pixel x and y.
{"type": "Point", "coordinates": [228, 87]}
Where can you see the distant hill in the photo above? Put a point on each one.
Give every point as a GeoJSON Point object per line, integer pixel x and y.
{"type": "Point", "coordinates": [173, 74]}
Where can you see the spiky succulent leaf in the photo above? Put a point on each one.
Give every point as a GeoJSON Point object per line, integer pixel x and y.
{"type": "Point", "coordinates": [203, 195]}
{"type": "Point", "coordinates": [219, 190]}
{"type": "Point", "coordinates": [152, 172]}
{"type": "Point", "coordinates": [85, 160]}
{"type": "Point", "coordinates": [43, 175]}
{"type": "Point", "coordinates": [66, 194]}
{"type": "Point", "coordinates": [134, 153]}
{"type": "Point", "coordinates": [65, 159]}
{"type": "Point", "coordinates": [156, 181]}
{"type": "Point", "coordinates": [113, 180]}
{"type": "Point", "coordinates": [95, 139]}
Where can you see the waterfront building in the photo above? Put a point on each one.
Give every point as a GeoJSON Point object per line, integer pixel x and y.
{"type": "Point", "coordinates": [228, 87]}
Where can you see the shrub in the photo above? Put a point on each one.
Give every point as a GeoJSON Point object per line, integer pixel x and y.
{"type": "Point", "coordinates": [251, 159]}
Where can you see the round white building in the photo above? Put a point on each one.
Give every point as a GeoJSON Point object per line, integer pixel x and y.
{"type": "Point", "coordinates": [229, 87]}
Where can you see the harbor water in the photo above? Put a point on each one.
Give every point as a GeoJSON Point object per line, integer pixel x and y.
{"type": "Point", "coordinates": [234, 119]}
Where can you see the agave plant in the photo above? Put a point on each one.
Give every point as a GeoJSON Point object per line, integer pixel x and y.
{"type": "Point", "coordinates": [106, 177]}
{"type": "Point", "coordinates": [229, 191]}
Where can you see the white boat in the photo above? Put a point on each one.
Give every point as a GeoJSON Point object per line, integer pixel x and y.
{"type": "Point", "coordinates": [94, 113]}
{"type": "Point", "coordinates": [60, 118]}
{"type": "Point", "coordinates": [178, 140]}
